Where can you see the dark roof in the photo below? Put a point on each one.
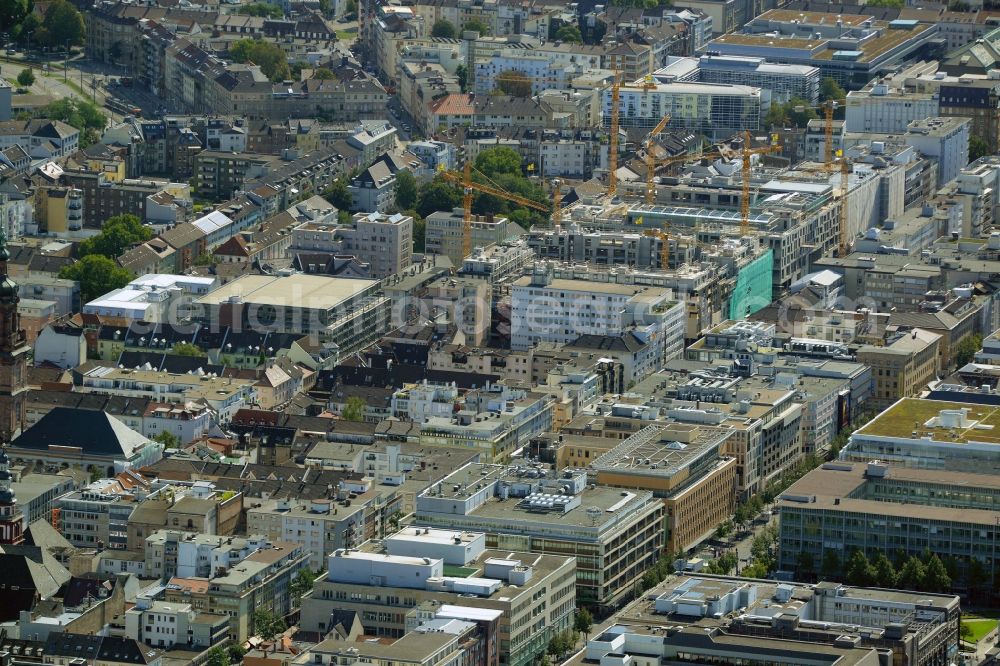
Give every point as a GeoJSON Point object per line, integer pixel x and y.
{"type": "Point", "coordinates": [78, 589]}
{"type": "Point", "coordinates": [93, 432]}
{"type": "Point", "coordinates": [62, 644]}
{"type": "Point", "coordinates": [627, 342]}
{"type": "Point", "coordinates": [124, 651]}
{"type": "Point", "coordinates": [173, 363]}
{"type": "Point", "coordinates": [398, 376]}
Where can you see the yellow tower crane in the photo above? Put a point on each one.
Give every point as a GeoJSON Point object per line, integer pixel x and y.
{"type": "Point", "coordinates": [616, 94]}
{"type": "Point", "coordinates": [843, 247]}
{"type": "Point", "coordinates": [745, 199]}
{"type": "Point", "coordinates": [651, 160]}
{"type": "Point", "coordinates": [468, 187]}
{"type": "Point", "coordinates": [664, 246]}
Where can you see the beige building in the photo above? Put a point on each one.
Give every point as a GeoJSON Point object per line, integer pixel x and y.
{"type": "Point", "coordinates": [903, 367]}
{"type": "Point", "coordinates": [685, 466]}
{"type": "Point", "coordinates": [444, 233]}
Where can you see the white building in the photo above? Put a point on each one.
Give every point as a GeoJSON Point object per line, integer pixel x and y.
{"type": "Point", "coordinates": [156, 297]}
{"type": "Point", "coordinates": [539, 70]}
{"type": "Point", "coordinates": [417, 402]}
{"type": "Point", "coordinates": [782, 81]}
{"type": "Point", "coordinates": [714, 109]}
{"type": "Point", "coordinates": [881, 108]}
{"type": "Point", "coordinates": [945, 139]}
{"type": "Point", "coordinates": [544, 309]}
{"type": "Point", "coordinates": [63, 346]}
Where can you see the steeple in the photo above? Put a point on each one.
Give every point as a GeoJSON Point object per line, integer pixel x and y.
{"type": "Point", "coordinates": [11, 517]}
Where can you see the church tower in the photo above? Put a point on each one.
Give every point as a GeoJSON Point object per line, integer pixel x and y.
{"type": "Point", "coordinates": [11, 516]}
{"type": "Point", "coordinates": [13, 354]}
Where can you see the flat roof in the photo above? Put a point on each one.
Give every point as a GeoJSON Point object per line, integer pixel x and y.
{"type": "Point", "coordinates": [911, 415]}
{"type": "Point", "coordinates": [307, 291]}
{"type": "Point", "coordinates": [659, 450]}
{"type": "Point", "coordinates": [584, 285]}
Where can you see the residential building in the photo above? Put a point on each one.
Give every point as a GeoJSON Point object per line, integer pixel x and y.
{"type": "Point", "coordinates": [165, 625]}
{"type": "Point", "coordinates": [153, 298]}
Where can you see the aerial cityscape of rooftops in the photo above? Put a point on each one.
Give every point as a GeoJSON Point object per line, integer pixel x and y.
{"type": "Point", "coordinates": [499, 333]}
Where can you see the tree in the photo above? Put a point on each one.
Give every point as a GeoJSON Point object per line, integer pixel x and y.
{"type": "Point", "coordinates": [117, 235]}
{"type": "Point", "coordinates": [894, 4]}
{"type": "Point", "coordinates": [406, 190]}
{"type": "Point", "coordinates": [976, 577]}
{"type": "Point", "coordinates": [830, 568]}
{"type": "Point", "coordinates": [339, 195]}
{"type": "Point", "coordinates": [860, 572]}
{"type": "Point", "coordinates": [79, 113]}
{"type": "Point", "coordinates": [262, 9]}
{"type": "Point", "coordinates": [800, 113]}
{"type": "Point", "coordinates": [494, 162]}
{"type": "Point", "coordinates": [61, 26]}
{"type": "Point", "coordinates": [966, 350]}
{"type": "Point", "coordinates": [324, 74]}
{"type": "Point", "coordinates": [569, 33]}
{"type": "Point", "coordinates": [438, 195]}
{"type": "Point", "coordinates": [168, 439]}
{"type": "Point", "coordinates": [97, 275]}
{"type": "Point", "coordinates": [235, 653]}
{"type": "Point", "coordinates": [584, 620]}
{"type": "Point", "coordinates": [462, 74]}
{"type": "Point", "coordinates": [26, 78]}
{"type": "Point", "coordinates": [514, 83]}
{"type": "Point", "coordinates": [12, 12]}
{"type": "Point", "coordinates": [419, 231]}
{"type": "Point", "coordinates": [885, 572]}
{"type": "Point", "coordinates": [830, 89]}
{"type": "Point", "coordinates": [936, 578]}
{"type": "Point", "coordinates": [217, 657]}
{"type": "Point", "coordinates": [354, 409]}
{"type": "Point", "coordinates": [443, 28]}
{"type": "Point", "coordinates": [911, 576]}
{"type": "Point", "coordinates": [267, 55]}
{"type": "Point", "coordinates": [724, 529]}
{"type": "Point", "coordinates": [978, 148]}
{"type": "Point", "coordinates": [186, 349]}
{"type": "Point", "coordinates": [477, 26]}
{"type": "Point", "coordinates": [351, 7]}
{"type": "Point", "coordinates": [267, 625]}
{"type": "Point", "coordinates": [302, 583]}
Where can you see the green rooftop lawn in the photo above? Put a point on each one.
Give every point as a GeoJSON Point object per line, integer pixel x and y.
{"type": "Point", "coordinates": [911, 414]}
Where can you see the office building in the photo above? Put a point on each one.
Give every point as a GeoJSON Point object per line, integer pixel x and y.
{"type": "Point", "coordinates": [154, 298]}
{"type": "Point", "coordinates": [878, 507]}
{"type": "Point", "coordinates": [444, 233]}
{"type": "Point", "coordinates": [522, 599]}
{"type": "Point", "coordinates": [615, 534]}
{"type": "Point", "coordinates": [683, 464]}
{"type": "Point", "coordinates": [903, 366]}
{"type": "Point", "coordinates": [715, 109]}
{"type": "Point", "coordinates": [782, 81]}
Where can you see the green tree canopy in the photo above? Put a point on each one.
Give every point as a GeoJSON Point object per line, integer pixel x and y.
{"type": "Point", "coordinates": [894, 4]}
{"type": "Point", "coordinates": [302, 583]}
{"type": "Point", "coordinates": [830, 89]}
{"type": "Point", "coordinates": [966, 350]}
{"type": "Point", "coordinates": [267, 55]}
{"type": "Point", "coordinates": [936, 578]}
{"type": "Point", "coordinates": [438, 195]}
{"type": "Point", "coordinates": [12, 12]}
{"type": "Point", "coordinates": [97, 275]}
{"type": "Point", "coordinates": [569, 33]}
{"type": "Point", "coordinates": [355, 408]}
{"type": "Point", "coordinates": [419, 230]}
{"type": "Point", "coordinates": [462, 74]}
{"type": "Point", "coordinates": [477, 25]}
{"type": "Point", "coordinates": [267, 625]}
{"type": "Point", "coordinates": [217, 657]}
{"type": "Point", "coordinates": [187, 349]}
{"type": "Point", "coordinates": [583, 621]}
{"type": "Point", "coordinates": [324, 74]}
{"type": "Point", "coordinates": [262, 9]}
{"type": "Point", "coordinates": [978, 148]}
{"type": "Point", "coordinates": [168, 439]}
{"type": "Point", "coordinates": [26, 78]}
{"type": "Point", "coordinates": [406, 190]}
{"type": "Point", "coordinates": [911, 576]}
{"type": "Point", "coordinates": [501, 160]}
{"type": "Point", "coordinates": [62, 25]}
{"type": "Point", "coordinates": [830, 567]}
{"type": "Point", "coordinates": [78, 113]}
{"type": "Point", "coordinates": [339, 195]}
{"type": "Point", "coordinates": [443, 28]}
{"type": "Point", "coordinates": [117, 235]}
{"type": "Point", "coordinates": [885, 572]}
{"type": "Point", "coordinates": [860, 572]}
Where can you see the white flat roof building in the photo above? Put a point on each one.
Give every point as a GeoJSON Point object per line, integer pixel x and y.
{"type": "Point", "coordinates": [150, 297]}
